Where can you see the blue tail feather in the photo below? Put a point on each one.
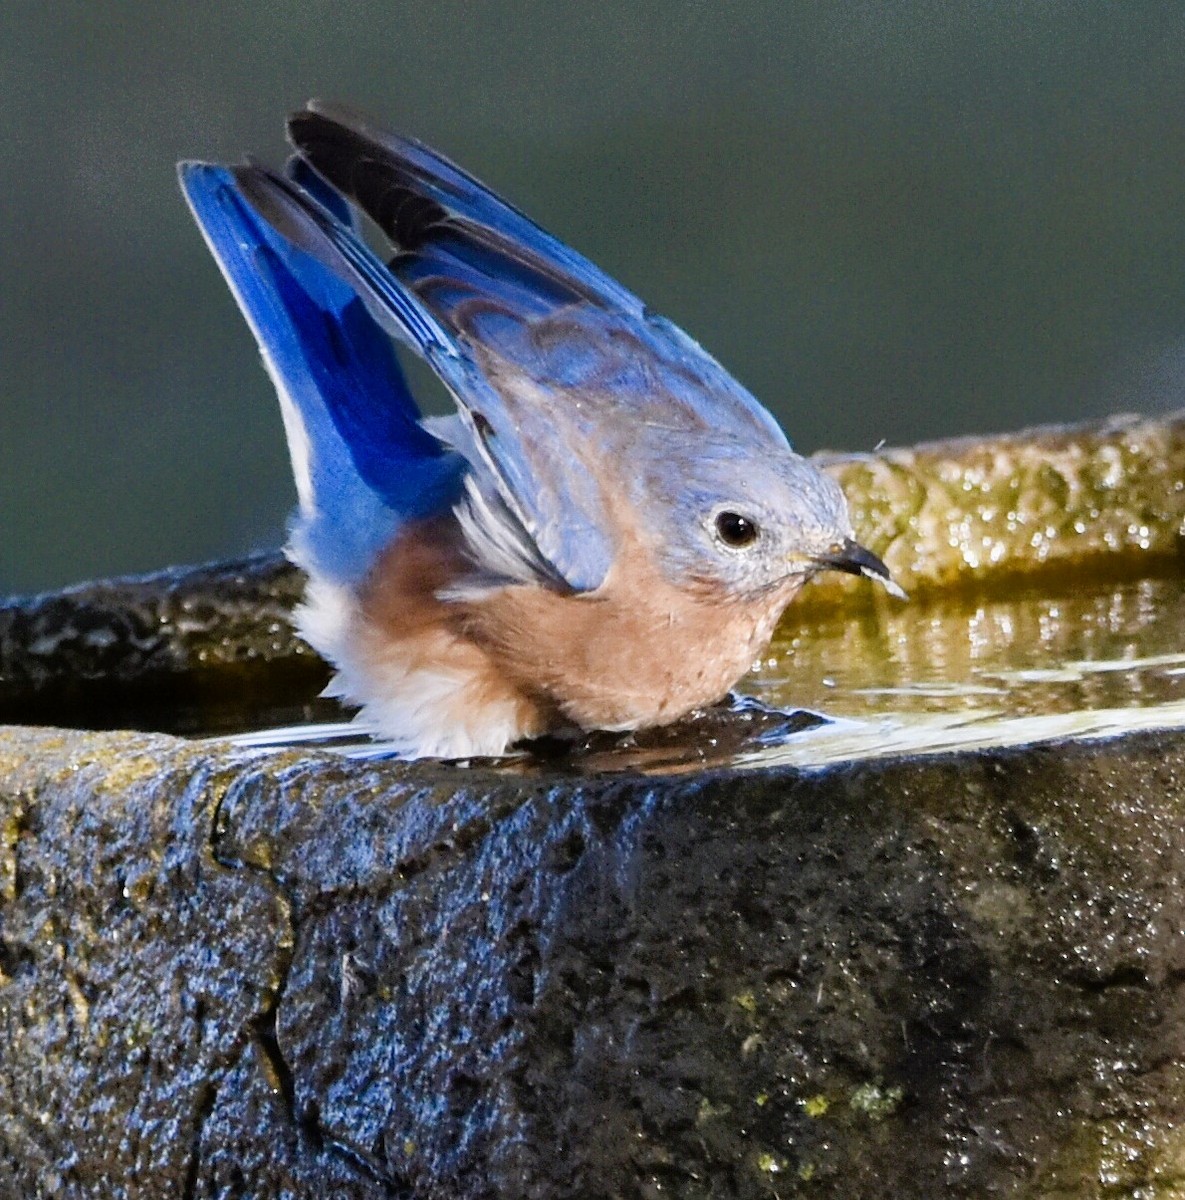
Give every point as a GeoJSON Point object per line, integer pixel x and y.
{"type": "Point", "coordinates": [363, 463]}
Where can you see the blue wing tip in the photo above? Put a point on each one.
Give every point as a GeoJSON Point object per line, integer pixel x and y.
{"type": "Point", "coordinates": [202, 180]}
{"type": "Point", "coordinates": [192, 168]}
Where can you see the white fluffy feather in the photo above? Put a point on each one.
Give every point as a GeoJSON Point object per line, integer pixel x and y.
{"type": "Point", "coordinates": [500, 549]}
{"type": "Point", "coordinates": [422, 712]}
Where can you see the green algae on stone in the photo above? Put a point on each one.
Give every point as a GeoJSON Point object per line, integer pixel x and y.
{"type": "Point", "coordinates": [875, 1101]}
{"type": "Point", "coordinates": [1114, 1156]}
{"type": "Point", "coordinates": [1057, 498]}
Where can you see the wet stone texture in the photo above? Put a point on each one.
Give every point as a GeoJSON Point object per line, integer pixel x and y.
{"type": "Point", "coordinates": [185, 649]}
{"type": "Point", "coordinates": [286, 975]}
{"type": "Point", "coordinates": [1054, 500]}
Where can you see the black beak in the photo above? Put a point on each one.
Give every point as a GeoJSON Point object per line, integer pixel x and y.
{"type": "Point", "coordinates": [851, 558]}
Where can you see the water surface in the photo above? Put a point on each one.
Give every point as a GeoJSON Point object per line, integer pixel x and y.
{"type": "Point", "coordinates": [955, 671]}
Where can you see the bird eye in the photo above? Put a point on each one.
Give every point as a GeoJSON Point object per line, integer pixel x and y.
{"type": "Point", "coordinates": [735, 530]}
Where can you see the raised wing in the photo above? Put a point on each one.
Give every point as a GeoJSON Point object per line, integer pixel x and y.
{"type": "Point", "coordinates": [554, 516]}
{"type": "Point", "coordinates": [363, 464]}
{"type": "Point", "coordinates": [503, 284]}
{"type": "Point", "coordinates": [559, 373]}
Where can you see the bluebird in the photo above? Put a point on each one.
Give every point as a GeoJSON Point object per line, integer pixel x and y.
{"type": "Point", "coordinates": [604, 534]}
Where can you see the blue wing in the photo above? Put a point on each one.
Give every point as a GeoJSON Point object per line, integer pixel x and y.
{"type": "Point", "coordinates": [564, 374]}
{"type": "Point", "coordinates": [498, 280]}
{"type": "Point", "coordinates": [363, 463]}
{"type": "Point", "coordinates": [554, 518]}
{"type": "Point", "coordinates": [560, 374]}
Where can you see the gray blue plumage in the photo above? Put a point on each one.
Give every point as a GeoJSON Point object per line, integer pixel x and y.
{"type": "Point", "coordinates": [575, 403]}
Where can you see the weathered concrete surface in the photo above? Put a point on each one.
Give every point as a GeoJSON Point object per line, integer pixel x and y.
{"type": "Point", "coordinates": [176, 649]}
{"type": "Point", "coordinates": [294, 976]}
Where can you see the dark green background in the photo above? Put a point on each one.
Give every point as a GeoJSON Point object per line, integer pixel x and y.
{"type": "Point", "coordinates": [892, 221]}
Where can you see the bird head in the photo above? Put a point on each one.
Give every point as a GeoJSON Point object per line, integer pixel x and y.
{"type": "Point", "coordinates": [724, 517]}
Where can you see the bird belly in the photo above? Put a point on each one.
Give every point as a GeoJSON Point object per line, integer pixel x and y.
{"type": "Point", "coordinates": [429, 694]}
{"type": "Point", "coordinates": [455, 677]}
{"type": "Point", "coordinates": [627, 659]}
{"type": "Point", "coordinates": [668, 671]}
{"type": "Point", "coordinates": [402, 654]}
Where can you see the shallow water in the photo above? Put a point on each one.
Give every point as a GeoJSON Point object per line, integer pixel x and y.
{"type": "Point", "coordinates": [945, 674]}
{"type": "Point", "coordinates": [1106, 646]}
{"type": "Point", "coordinates": [1098, 661]}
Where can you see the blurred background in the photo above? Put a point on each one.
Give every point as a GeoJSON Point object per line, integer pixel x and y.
{"type": "Point", "coordinates": [892, 221]}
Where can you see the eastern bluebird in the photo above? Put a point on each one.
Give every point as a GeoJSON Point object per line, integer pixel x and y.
{"type": "Point", "coordinates": [604, 534]}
